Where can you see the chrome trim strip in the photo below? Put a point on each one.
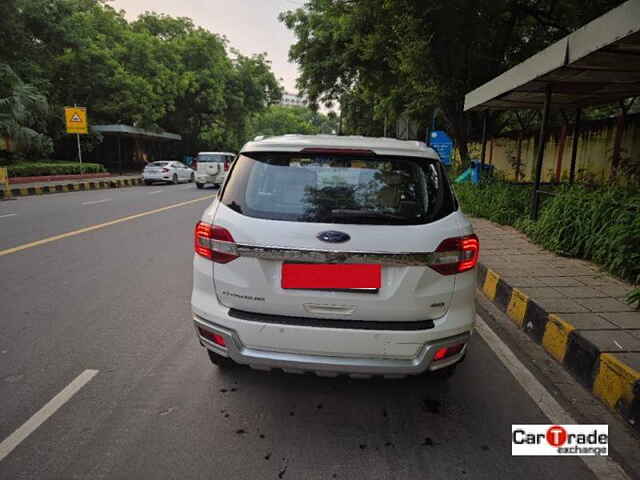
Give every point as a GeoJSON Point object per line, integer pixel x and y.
{"type": "Point", "coordinates": [320, 256]}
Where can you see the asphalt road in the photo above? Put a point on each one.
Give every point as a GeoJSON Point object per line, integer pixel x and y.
{"type": "Point", "coordinates": [116, 300]}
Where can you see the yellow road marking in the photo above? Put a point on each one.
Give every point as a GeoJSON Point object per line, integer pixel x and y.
{"type": "Point", "coordinates": [614, 381]}
{"type": "Point", "coordinates": [556, 335]}
{"type": "Point", "coordinates": [517, 307]}
{"type": "Point", "coordinates": [491, 284]}
{"type": "Point", "coordinates": [99, 226]}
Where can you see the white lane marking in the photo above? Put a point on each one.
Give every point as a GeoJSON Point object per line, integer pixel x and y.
{"type": "Point", "coordinates": [602, 467]}
{"type": "Point", "coordinates": [93, 202]}
{"type": "Point", "coordinates": [154, 192]}
{"type": "Point", "coordinates": [8, 215]}
{"type": "Point", "coordinates": [38, 418]}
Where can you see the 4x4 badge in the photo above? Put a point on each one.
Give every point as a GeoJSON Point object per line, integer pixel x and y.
{"type": "Point", "coordinates": [333, 236]}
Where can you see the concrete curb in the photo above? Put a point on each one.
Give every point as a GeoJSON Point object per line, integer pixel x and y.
{"type": "Point", "coordinates": [588, 350]}
{"type": "Point", "coordinates": [73, 187]}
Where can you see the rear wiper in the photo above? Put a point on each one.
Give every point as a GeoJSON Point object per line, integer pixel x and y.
{"type": "Point", "coordinates": [352, 213]}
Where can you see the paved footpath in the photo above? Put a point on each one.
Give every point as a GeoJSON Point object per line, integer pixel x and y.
{"type": "Point", "coordinates": [572, 308]}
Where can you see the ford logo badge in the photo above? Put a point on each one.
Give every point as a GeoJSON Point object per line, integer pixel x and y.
{"type": "Point", "coordinates": [332, 236]}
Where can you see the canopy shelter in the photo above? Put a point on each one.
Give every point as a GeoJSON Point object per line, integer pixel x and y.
{"type": "Point", "coordinates": [130, 148]}
{"type": "Point", "coordinates": [595, 65]}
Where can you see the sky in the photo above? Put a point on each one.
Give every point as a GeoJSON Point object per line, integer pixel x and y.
{"type": "Point", "coordinates": [251, 26]}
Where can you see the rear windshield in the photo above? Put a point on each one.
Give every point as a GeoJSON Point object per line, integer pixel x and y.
{"type": "Point", "coordinates": [339, 189]}
{"type": "Point", "coordinates": [211, 158]}
{"type": "Point", "coordinates": [158, 164]}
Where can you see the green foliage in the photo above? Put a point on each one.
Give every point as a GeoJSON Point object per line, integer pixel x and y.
{"type": "Point", "coordinates": [497, 201]}
{"type": "Point", "coordinates": [597, 225]}
{"type": "Point", "coordinates": [35, 169]}
{"type": "Point", "coordinates": [280, 120]}
{"type": "Point", "coordinates": [634, 297]}
{"type": "Point", "coordinates": [23, 114]}
{"type": "Point", "coordinates": [600, 225]}
{"type": "Point", "coordinates": [157, 73]}
{"type": "Point", "coordinates": [398, 56]}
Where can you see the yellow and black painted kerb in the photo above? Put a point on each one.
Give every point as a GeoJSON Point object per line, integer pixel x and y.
{"type": "Point", "coordinates": [73, 187]}
{"type": "Point", "coordinates": [612, 377]}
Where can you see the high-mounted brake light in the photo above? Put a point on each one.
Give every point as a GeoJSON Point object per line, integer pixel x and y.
{"type": "Point", "coordinates": [456, 255]}
{"type": "Point", "coordinates": [204, 233]}
{"type": "Point", "coordinates": [339, 151]}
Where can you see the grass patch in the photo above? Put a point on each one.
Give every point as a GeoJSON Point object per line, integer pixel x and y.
{"type": "Point", "coordinates": [600, 225]}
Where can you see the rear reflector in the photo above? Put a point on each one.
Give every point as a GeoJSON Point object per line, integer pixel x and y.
{"type": "Point", "coordinates": [445, 352]}
{"type": "Point", "coordinates": [204, 233]}
{"type": "Point", "coordinates": [331, 276]}
{"type": "Point", "coordinates": [214, 337]}
{"type": "Point", "coordinates": [456, 255]}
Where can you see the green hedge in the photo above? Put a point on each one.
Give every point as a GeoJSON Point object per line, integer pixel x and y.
{"type": "Point", "coordinates": [497, 201]}
{"type": "Point", "coordinates": [600, 225]}
{"type": "Point", "coordinates": [53, 168]}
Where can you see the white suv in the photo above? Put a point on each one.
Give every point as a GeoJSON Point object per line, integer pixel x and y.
{"type": "Point", "coordinates": [335, 255]}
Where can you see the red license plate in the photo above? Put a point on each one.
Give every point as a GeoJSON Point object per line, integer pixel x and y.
{"type": "Point", "coordinates": [331, 276]}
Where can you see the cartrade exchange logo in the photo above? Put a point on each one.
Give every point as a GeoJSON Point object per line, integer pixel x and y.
{"type": "Point", "coordinates": [572, 440]}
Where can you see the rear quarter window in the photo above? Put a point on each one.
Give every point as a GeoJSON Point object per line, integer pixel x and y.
{"type": "Point", "coordinates": [339, 188]}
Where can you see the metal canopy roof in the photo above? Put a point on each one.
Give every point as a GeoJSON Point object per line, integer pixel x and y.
{"type": "Point", "coordinates": [134, 131]}
{"type": "Point", "coordinates": [597, 64]}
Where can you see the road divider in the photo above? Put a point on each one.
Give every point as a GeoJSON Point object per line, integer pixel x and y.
{"type": "Point", "coordinates": [100, 226]}
{"type": "Point", "coordinates": [41, 416]}
{"type": "Point", "coordinates": [71, 187]}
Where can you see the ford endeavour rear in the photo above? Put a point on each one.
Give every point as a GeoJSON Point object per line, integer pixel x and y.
{"type": "Point", "coordinates": [335, 255]}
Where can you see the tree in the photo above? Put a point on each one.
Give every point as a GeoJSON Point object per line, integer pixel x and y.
{"type": "Point", "coordinates": [23, 113]}
{"type": "Point", "coordinates": [405, 56]}
{"type": "Point", "coordinates": [280, 120]}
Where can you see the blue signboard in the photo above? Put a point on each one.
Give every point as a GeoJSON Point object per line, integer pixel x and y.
{"type": "Point", "coordinates": [442, 143]}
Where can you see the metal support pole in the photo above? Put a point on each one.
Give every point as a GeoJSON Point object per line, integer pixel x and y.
{"type": "Point", "coordinates": [574, 146]}
{"type": "Point", "coordinates": [485, 119]}
{"type": "Point", "coordinates": [119, 155]}
{"type": "Point", "coordinates": [540, 154]}
{"type": "Point", "coordinates": [79, 152]}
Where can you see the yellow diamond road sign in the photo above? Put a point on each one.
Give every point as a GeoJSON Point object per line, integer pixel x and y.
{"type": "Point", "coordinates": [76, 119]}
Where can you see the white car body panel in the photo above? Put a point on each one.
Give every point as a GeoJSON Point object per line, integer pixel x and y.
{"type": "Point", "coordinates": [407, 293]}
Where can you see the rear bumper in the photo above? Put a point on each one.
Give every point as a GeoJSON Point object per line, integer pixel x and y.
{"type": "Point", "coordinates": [330, 365]}
{"type": "Point", "coordinates": [203, 178]}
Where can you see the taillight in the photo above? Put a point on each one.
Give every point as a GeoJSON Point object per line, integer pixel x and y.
{"type": "Point", "coordinates": [456, 255]}
{"type": "Point", "coordinates": [214, 337]}
{"type": "Point", "coordinates": [204, 233]}
{"type": "Point", "coordinates": [226, 165]}
{"type": "Point", "coordinates": [165, 170]}
{"type": "Point", "coordinates": [445, 352]}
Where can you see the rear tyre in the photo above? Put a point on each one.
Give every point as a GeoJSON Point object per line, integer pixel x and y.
{"type": "Point", "coordinates": [175, 179]}
{"type": "Point", "coordinates": [192, 178]}
{"type": "Point", "coordinates": [220, 361]}
{"type": "Point", "coordinates": [200, 185]}
{"type": "Point", "coordinates": [148, 182]}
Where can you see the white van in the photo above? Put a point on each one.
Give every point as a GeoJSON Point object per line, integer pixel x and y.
{"type": "Point", "coordinates": [212, 167]}
{"type": "Point", "coordinates": [335, 255]}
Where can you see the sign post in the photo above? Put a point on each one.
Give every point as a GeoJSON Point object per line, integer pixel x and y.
{"type": "Point", "coordinates": [76, 120]}
{"type": "Point", "coordinates": [442, 143]}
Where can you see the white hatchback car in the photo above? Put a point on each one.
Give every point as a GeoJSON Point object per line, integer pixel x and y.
{"type": "Point", "coordinates": [212, 167]}
{"type": "Point", "coordinates": [335, 255]}
{"type": "Point", "coordinates": [169, 171]}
